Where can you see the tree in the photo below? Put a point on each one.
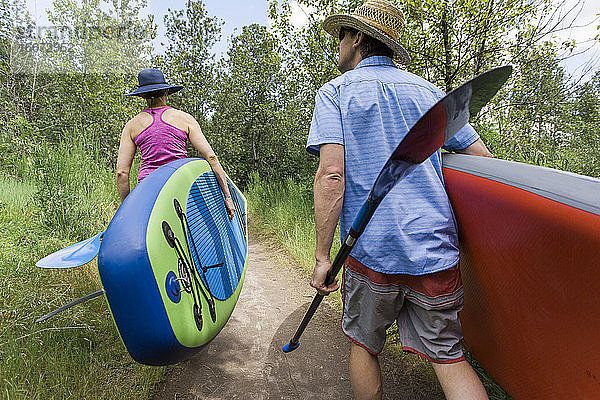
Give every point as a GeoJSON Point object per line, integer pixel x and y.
{"type": "Point", "coordinates": [254, 123]}
{"type": "Point", "coordinates": [18, 75]}
{"type": "Point", "coordinates": [584, 141]}
{"type": "Point", "coordinates": [450, 42]}
{"type": "Point", "coordinates": [530, 116]}
{"type": "Point", "coordinates": [92, 57]}
{"type": "Point", "coordinates": [188, 60]}
{"type": "Point", "coordinates": [17, 60]}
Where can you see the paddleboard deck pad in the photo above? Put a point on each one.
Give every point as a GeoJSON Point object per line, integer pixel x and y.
{"type": "Point", "coordinates": [530, 251]}
{"type": "Point", "coordinates": [172, 263]}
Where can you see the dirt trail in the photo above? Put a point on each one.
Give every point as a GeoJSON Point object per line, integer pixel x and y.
{"type": "Point", "coordinates": [245, 360]}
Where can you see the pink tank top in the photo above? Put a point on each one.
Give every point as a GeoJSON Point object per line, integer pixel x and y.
{"type": "Point", "coordinates": [160, 143]}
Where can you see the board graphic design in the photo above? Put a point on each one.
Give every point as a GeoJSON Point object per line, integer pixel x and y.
{"type": "Point", "coordinates": [171, 262]}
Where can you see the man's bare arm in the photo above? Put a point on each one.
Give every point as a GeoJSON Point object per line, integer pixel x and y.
{"type": "Point", "coordinates": [478, 148]}
{"type": "Point", "coordinates": [328, 197]}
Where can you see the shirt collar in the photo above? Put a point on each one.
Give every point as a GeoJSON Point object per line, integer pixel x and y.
{"type": "Point", "coordinates": [376, 60]}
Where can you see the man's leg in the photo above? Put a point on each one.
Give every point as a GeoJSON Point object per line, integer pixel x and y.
{"type": "Point", "coordinates": [365, 374]}
{"type": "Point", "coordinates": [459, 381]}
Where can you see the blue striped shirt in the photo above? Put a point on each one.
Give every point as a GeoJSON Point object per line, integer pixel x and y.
{"type": "Point", "coordinates": [369, 110]}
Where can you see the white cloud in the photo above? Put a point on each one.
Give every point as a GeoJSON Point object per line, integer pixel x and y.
{"type": "Point", "coordinates": [300, 14]}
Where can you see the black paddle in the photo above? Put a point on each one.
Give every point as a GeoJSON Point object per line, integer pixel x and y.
{"type": "Point", "coordinates": [74, 303]}
{"type": "Point", "coordinates": [432, 130]}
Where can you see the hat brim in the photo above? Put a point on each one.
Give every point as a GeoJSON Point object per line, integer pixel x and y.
{"type": "Point", "coordinates": [333, 23]}
{"type": "Point", "coordinates": [157, 86]}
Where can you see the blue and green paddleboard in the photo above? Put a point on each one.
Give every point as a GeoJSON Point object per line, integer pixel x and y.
{"type": "Point", "coordinates": [171, 262]}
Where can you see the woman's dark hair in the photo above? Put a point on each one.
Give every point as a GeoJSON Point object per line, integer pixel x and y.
{"type": "Point", "coordinates": [154, 94]}
{"type": "Point", "coordinates": [369, 46]}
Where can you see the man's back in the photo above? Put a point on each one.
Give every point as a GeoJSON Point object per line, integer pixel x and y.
{"type": "Point", "coordinates": [369, 110]}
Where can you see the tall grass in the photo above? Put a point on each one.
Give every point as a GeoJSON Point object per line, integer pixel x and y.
{"type": "Point", "coordinates": [283, 211]}
{"type": "Point", "coordinates": [16, 194]}
{"type": "Point", "coordinates": [77, 194]}
{"type": "Point", "coordinates": [63, 194]}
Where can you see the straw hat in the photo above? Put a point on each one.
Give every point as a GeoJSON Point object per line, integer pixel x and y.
{"type": "Point", "coordinates": [377, 18]}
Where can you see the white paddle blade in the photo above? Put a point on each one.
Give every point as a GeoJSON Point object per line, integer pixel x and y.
{"type": "Point", "coordinates": [73, 256]}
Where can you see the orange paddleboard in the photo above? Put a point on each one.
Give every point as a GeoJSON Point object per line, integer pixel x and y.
{"type": "Point", "coordinates": [530, 262]}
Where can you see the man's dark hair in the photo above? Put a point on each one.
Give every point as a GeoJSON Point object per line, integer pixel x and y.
{"type": "Point", "coordinates": [373, 47]}
{"type": "Point", "coordinates": [369, 46]}
{"type": "Point", "coordinates": [343, 30]}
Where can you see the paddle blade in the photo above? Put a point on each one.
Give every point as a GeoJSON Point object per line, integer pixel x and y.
{"type": "Point", "coordinates": [450, 115]}
{"type": "Point", "coordinates": [73, 256]}
{"type": "Point", "coordinates": [67, 306]}
{"type": "Point", "coordinates": [438, 125]}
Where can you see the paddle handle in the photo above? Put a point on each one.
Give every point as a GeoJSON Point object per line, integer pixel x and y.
{"type": "Point", "coordinates": [338, 262]}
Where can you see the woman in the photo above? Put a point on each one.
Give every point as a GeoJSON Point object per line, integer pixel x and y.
{"type": "Point", "coordinates": [161, 133]}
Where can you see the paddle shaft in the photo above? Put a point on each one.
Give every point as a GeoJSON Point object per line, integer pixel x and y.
{"type": "Point", "coordinates": [74, 303]}
{"type": "Point", "coordinates": [364, 215]}
{"type": "Point", "coordinates": [340, 258]}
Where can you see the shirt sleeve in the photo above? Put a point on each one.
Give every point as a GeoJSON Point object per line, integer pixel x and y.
{"type": "Point", "coordinates": [463, 139]}
{"type": "Point", "coordinates": [326, 124]}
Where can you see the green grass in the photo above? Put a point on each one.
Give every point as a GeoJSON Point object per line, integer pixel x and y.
{"type": "Point", "coordinates": [76, 193]}
{"type": "Point", "coordinates": [77, 354]}
{"type": "Point", "coordinates": [283, 212]}
{"type": "Point", "coordinates": [16, 194]}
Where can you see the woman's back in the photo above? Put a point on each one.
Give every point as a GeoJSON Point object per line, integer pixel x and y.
{"type": "Point", "coordinates": [161, 135]}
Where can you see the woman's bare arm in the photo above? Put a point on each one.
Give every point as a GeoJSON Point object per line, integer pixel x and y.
{"type": "Point", "coordinates": [201, 144]}
{"type": "Point", "coordinates": [124, 160]}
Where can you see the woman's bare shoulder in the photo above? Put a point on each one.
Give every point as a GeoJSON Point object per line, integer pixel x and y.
{"type": "Point", "coordinates": [175, 113]}
{"type": "Point", "coordinates": [138, 123]}
{"type": "Point", "coordinates": [179, 118]}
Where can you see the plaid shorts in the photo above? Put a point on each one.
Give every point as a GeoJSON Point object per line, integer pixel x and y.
{"type": "Point", "coordinates": [425, 307]}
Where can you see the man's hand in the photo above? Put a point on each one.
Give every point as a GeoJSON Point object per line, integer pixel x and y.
{"type": "Point", "coordinates": [318, 278]}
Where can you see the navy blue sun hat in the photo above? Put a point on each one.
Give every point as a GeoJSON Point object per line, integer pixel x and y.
{"type": "Point", "coordinates": [150, 80]}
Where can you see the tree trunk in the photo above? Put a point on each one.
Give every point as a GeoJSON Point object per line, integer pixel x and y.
{"type": "Point", "coordinates": [447, 50]}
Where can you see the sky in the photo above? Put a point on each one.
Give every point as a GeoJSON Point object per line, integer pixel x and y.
{"type": "Point", "coordinates": [238, 13]}
{"type": "Point", "coordinates": [585, 18]}
{"type": "Point", "coordinates": [235, 14]}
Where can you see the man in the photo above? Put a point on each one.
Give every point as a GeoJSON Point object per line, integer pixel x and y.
{"type": "Point", "coordinates": [404, 268]}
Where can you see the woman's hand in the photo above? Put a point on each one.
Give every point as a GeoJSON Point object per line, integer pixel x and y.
{"type": "Point", "coordinates": [230, 207]}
